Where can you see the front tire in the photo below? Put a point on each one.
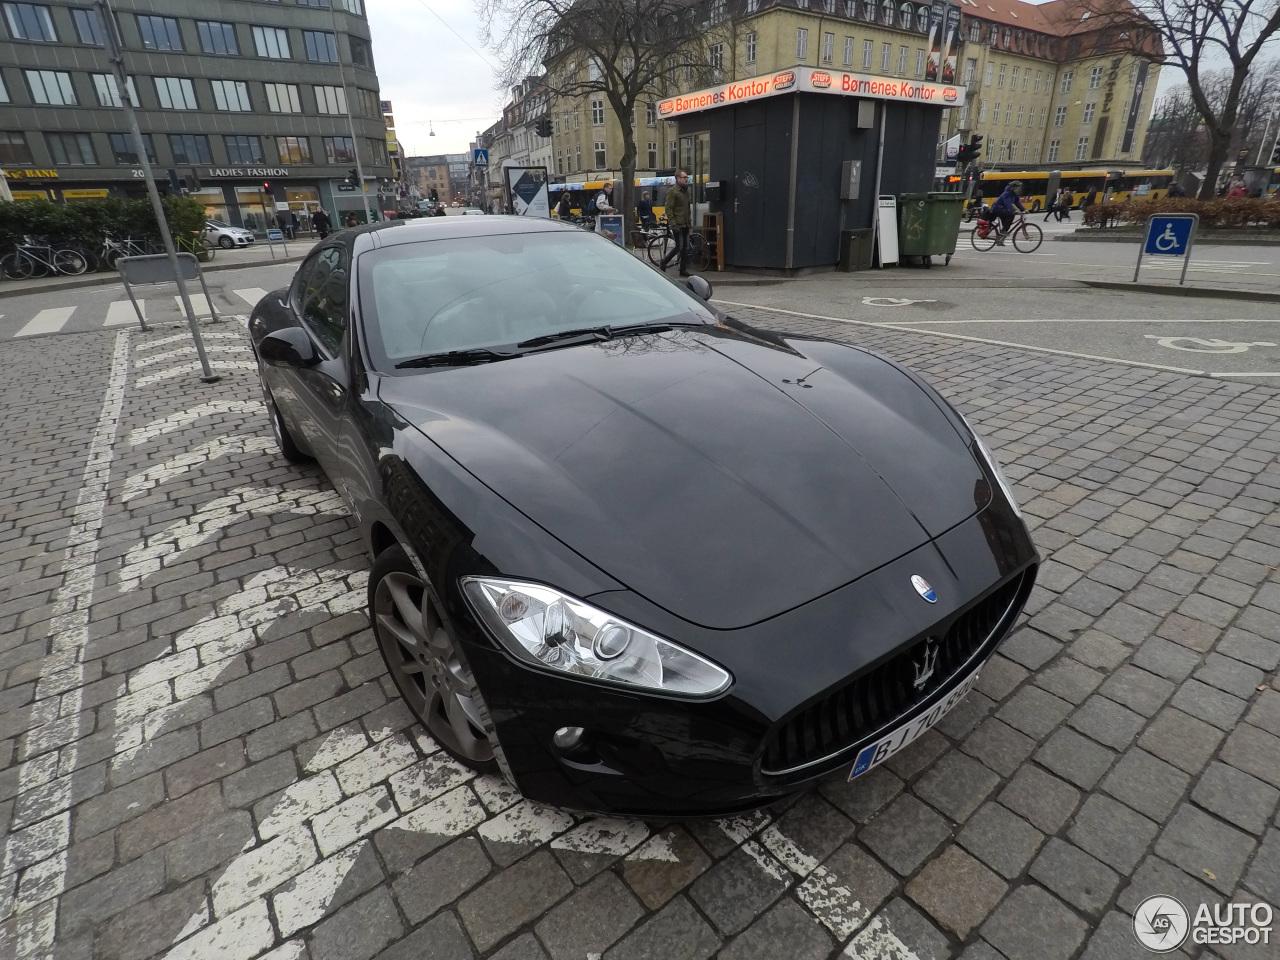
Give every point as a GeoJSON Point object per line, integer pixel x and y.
{"type": "Point", "coordinates": [226, 243]}
{"type": "Point", "coordinates": [16, 266]}
{"type": "Point", "coordinates": [1027, 238]}
{"type": "Point", "coordinates": [423, 660]}
{"type": "Point", "coordinates": [70, 262]}
{"type": "Point", "coordinates": [284, 439]}
{"type": "Point", "coordinates": [658, 249]}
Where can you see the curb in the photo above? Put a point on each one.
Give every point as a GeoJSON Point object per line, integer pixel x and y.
{"type": "Point", "coordinates": [107, 278]}
{"type": "Point", "coordinates": [1217, 293]}
{"type": "Point", "coordinates": [1201, 239]}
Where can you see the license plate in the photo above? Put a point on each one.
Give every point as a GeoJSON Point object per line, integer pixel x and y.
{"type": "Point", "coordinates": [877, 753]}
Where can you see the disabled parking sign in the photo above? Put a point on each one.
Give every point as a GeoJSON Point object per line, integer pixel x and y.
{"type": "Point", "coordinates": [1169, 235]}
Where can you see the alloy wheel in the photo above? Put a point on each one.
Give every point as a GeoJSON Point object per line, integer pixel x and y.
{"type": "Point", "coordinates": [423, 661]}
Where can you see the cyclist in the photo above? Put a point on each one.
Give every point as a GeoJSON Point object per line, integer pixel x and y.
{"type": "Point", "coordinates": [1005, 205]}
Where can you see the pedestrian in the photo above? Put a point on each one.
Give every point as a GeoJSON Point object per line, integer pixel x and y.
{"type": "Point", "coordinates": [564, 209]}
{"type": "Point", "coordinates": [351, 220]}
{"type": "Point", "coordinates": [1177, 190]}
{"type": "Point", "coordinates": [1005, 205]}
{"type": "Point", "coordinates": [1237, 190]}
{"type": "Point", "coordinates": [1051, 206]}
{"type": "Point", "coordinates": [282, 221]}
{"type": "Point", "coordinates": [1066, 200]}
{"type": "Point", "coordinates": [320, 220]}
{"type": "Point", "coordinates": [293, 225]}
{"type": "Point", "coordinates": [604, 202]}
{"type": "Point", "coordinates": [440, 211]}
{"type": "Point", "coordinates": [679, 219]}
{"type": "Point", "coordinates": [1089, 200]}
{"type": "Point", "coordinates": [644, 210]}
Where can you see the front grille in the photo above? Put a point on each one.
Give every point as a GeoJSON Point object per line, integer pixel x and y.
{"type": "Point", "coordinates": [874, 700]}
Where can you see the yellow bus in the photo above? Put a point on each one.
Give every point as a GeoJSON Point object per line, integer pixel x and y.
{"type": "Point", "coordinates": [1117, 185]}
{"type": "Point", "coordinates": [580, 193]}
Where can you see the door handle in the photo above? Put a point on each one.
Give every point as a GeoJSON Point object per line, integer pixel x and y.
{"type": "Point", "coordinates": [735, 204]}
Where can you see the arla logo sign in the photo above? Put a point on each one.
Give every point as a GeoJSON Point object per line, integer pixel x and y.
{"type": "Point", "coordinates": [949, 94]}
{"type": "Point", "coordinates": [782, 81]}
{"type": "Point", "coordinates": [820, 79]}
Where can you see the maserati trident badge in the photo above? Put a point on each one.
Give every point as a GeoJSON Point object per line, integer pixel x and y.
{"type": "Point", "coordinates": [924, 668]}
{"type": "Point", "coordinates": [923, 588]}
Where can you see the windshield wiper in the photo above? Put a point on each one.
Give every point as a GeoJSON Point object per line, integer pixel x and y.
{"type": "Point", "coordinates": [456, 358]}
{"type": "Point", "coordinates": [589, 334]}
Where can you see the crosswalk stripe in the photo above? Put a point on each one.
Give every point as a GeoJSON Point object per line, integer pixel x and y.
{"type": "Point", "coordinates": [199, 303]}
{"type": "Point", "coordinates": [250, 295]}
{"type": "Point", "coordinates": [121, 311]}
{"type": "Point", "coordinates": [50, 320]}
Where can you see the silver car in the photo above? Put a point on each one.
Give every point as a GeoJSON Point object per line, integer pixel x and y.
{"type": "Point", "coordinates": [227, 236]}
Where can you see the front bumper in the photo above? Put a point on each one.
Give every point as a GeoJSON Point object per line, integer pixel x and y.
{"type": "Point", "coordinates": [777, 730]}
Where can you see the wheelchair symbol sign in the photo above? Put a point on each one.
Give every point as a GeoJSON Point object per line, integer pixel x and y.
{"type": "Point", "coordinates": [1168, 236]}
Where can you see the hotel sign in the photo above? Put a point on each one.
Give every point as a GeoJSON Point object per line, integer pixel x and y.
{"type": "Point", "coordinates": [812, 80]}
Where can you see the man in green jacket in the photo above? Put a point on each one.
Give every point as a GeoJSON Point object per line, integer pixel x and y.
{"type": "Point", "coordinates": [679, 219]}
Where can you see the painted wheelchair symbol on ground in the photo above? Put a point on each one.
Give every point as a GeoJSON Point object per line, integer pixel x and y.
{"type": "Point", "coordinates": [1209, 345]}
{"type": "Point", "coordinates": [891, 301]}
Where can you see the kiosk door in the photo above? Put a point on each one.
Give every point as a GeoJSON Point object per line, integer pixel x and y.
{"type": "Point", "coordinates": [744, 213]}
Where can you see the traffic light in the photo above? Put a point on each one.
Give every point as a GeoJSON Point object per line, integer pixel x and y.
{"type": "Point", "coordinates": [435, 195]}
{"type": "Point", "coordinates": [543, 127]}
{"type": "Point", "coordinates": [266, 188]}
{"type": "Point", "coordinates": [352, 176]}
{"type": "Point", "coordinates": [975, 148]}
{"type": "Point", "coordinates": [962, 155]}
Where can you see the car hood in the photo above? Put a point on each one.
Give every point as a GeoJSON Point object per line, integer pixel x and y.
{"type": "Point", "coordinates": [724, 477]}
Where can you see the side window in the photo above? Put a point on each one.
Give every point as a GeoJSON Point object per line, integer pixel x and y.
{"type": "Point", "coordinates": [322, 297]}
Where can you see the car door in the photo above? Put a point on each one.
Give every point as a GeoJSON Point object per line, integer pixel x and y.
{"type": "Point", "coordinates": [320, 301]}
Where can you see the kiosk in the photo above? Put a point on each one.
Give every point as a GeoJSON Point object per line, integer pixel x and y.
{"type": "Point", "coordinates": [794, 161]}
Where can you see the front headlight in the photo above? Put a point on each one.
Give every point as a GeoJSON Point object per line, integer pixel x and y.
{"type": "Point", "coordinates": [994, 465]}
{"type": "Point", "coordinates": [551, 630]}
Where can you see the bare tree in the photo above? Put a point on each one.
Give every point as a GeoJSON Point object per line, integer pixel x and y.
{"type": "Point", "coordinates": [626, 50]}
{"type": "Point", "coordinates": [1175, 135]}
{"type": "Point", "coordinates": [1196, 36]}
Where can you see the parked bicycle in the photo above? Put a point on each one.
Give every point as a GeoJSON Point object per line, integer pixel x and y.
{"type": "Point", "coordinates": [195, 244]}
{"type": "Point", "coordinates": [113, 249]}
{"type": "Point", "coordinates": [663, 242]}
{"type": "Point", "coordinates": [39, 259]}
{"type": "Point", "coordinates": [1027, 237]}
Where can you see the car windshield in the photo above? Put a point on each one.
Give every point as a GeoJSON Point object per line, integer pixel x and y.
{"type": "Point", "coordinates": [439, 296]}
{"type": "Point", "coordinates": [218, 223]}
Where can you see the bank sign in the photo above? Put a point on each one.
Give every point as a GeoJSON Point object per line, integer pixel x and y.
{"type": "Point", "coordinates": [813, 80]}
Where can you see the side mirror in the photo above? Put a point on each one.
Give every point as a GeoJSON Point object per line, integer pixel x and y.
{"type": "Point", "coordinates": [289, 347]}
{"type": "Point", "coordinates": [700, 287]}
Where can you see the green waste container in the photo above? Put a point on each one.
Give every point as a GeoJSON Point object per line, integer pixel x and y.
{"type": "Point", "coordinates": [928, 224]}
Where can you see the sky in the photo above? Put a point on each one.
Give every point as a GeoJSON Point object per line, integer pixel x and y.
{"type": "Point", "coordinates": [436, 78]}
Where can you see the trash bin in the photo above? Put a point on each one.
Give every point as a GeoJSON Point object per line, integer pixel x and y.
{"type": "Point", "coordinates": [855, 249]}
{"type": "Point", "coordinates": [928, 224]}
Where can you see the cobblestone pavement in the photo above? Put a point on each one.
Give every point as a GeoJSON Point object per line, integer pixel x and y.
{"type": "Point", "coordinates": [203, 757]}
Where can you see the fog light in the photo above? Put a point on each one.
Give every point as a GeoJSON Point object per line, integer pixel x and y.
{"type": "Point", "coordinates": [568, 738]}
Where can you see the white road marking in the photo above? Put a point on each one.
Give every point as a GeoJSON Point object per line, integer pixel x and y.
{"type": "Point", "coordinates": [250, 295]}
{"type": "Point", "coordinates": [49, 320]}
{"type": "Point", "coordinates": [69, 627]}
{"type": "Point", "coordinates": [189, 351]}
{"type": "Point", "coordinates": [957, 336]}
{"type": "Point", "coordinates": [607, 836]}
{"type": "Point", "coordinates": [1210, 345]}
{"type": "Point", "coordinates": [139, 483]}
{"type": "Point", "coordinates": [176, 421]}
{"type": "Point", "coordinates": [216, 365]}
{"type": "Point", "coordinates": [181, 337]}
{"type": "Point", "coordinates": [121, 311]}
{"type": "Point", "coordinates": [307, 898]}
{"type": "Point", "coordinates": [199, 303]}
{"type": "Point", "coordinates": [528, 823]}
{"type": "Point", "coordinates": [878, 942]}
{"type": "Point", "coordinates": [1034, 320]}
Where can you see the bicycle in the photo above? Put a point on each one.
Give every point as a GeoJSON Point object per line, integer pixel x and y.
{"type": "Point", "coordinates": [194, 244]}
{"type": "Point", "coordinates": [1027, 237]}
{"type": "Point", "coordinates": [28, 258]}
{"type": "Point", "coordinates": [113, 249]}
{"type": "Point", "coordinates": [663, 243]}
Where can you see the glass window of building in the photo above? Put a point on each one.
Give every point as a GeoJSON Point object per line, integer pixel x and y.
{"type": "Point", "coordinates": [1020, 110]}
{"type": "Point", "coordinates": [970, 68]}
{"type": "Point", "coordinates": [1000, 78]}
{"type": "Point", "coordinates": [52, 87]}
{"type": "Point", "coordinates": [190, 148]}
{"type": "Point", "coordinates": [361, 54]}
{"type": "Point", "coordinates": [293, 150]}
{"type": "Point", "coordinates": [332, 100]}
{"type": "Point", "coordinates": [108, 94]}
{"type": "Point", "coordinates": [868, 51]}
{"type": "Point", "coordinates": [886, 13]}
{"type": "Point", "coordinates": [30, 21]}
{"type": "Point", "coordinates": [1054, 146]}
{"type": "Point", "coordinates": [1066, 81]}
{"type": "Point", "coordinates": [271, 42]}
{"type": "Point", "coordinates": [160, 33]}
{"type": "Point", "coordinates": [244, 149]}
{"type": "Point", "coordinates": [1089, 109]}
{"type": "Point", "coordinates": [715, 57]}
{"type": "Point", "coordinates": [802, 43]}
{"type": "Point", "coordinates": [283, 98]}
{"type": "Point", "coordinates": [902, 60]}
{"type": "Point", "coordinates": [986, 79]}
{"type": "Point", "coordinates": [886, 56]}
{"type": "Point", "coordinates": [71, 149]}
{"type": "Point", "coordinates": [88, 26]}
{"type": "Point", "coordinates": [919, 63]}
{"type": "Point", "coordinates": [217, 38]}
{"type": "Point", "coordinates": [828, 47]}
{"type": "Point", "coordinates": [1060, 116]}
{"type": "Point", "coordinates": [1037, 87]}
{"type": "Point", "coordinates": [995, 113]}
{"type": "Point", "coordinates": [653, 154]}
{"type": "Point", "coordinates": [599, 155]}
{"type": "Point", "coordinates": [1082, 148]}
{"type": "Point", "coordinates": [320, 45]}
{"type": "Point", "coordinates": [4, 91]}
{"type": "Point", "coordinates": [597, 113]}
{"type": "Point", "coordinates": [339, 150]}
{"type": "Point", "coordinates": [231, 95]}
{"type": "Point", "coordinates": [1095, 78]}
{"type": "Point", "coordinates": [176, 93]}
{"type": "Point", "coordinates": [975, 31]}
{"type": "Point", "coordinates": [906, 14]}
{"type": "Point", "coordinates": [122, 148]}
{"type": "Point", "coordinates": [13, 147]}
{"type": "Point", "coordinates": [848, 51]}
{"type": "Point", "coordinates": [651, 113]}
{"type": "Point", "coordinates": [1013, 79]}
{"type": "Point", "coordinates": [751, 47]}
{"type": "Point", "coordinates": [324, 4]}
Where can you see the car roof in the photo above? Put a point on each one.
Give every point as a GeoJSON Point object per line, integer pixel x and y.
{"type": "Point", "coordinates": [394, 232]}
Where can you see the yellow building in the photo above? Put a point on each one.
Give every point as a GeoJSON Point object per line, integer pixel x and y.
{"type": "Point", "coordinates": [1045, 86]}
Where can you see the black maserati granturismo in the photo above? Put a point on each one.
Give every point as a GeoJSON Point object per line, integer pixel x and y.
{"type": "Point", "coordinates": [632, 553]}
